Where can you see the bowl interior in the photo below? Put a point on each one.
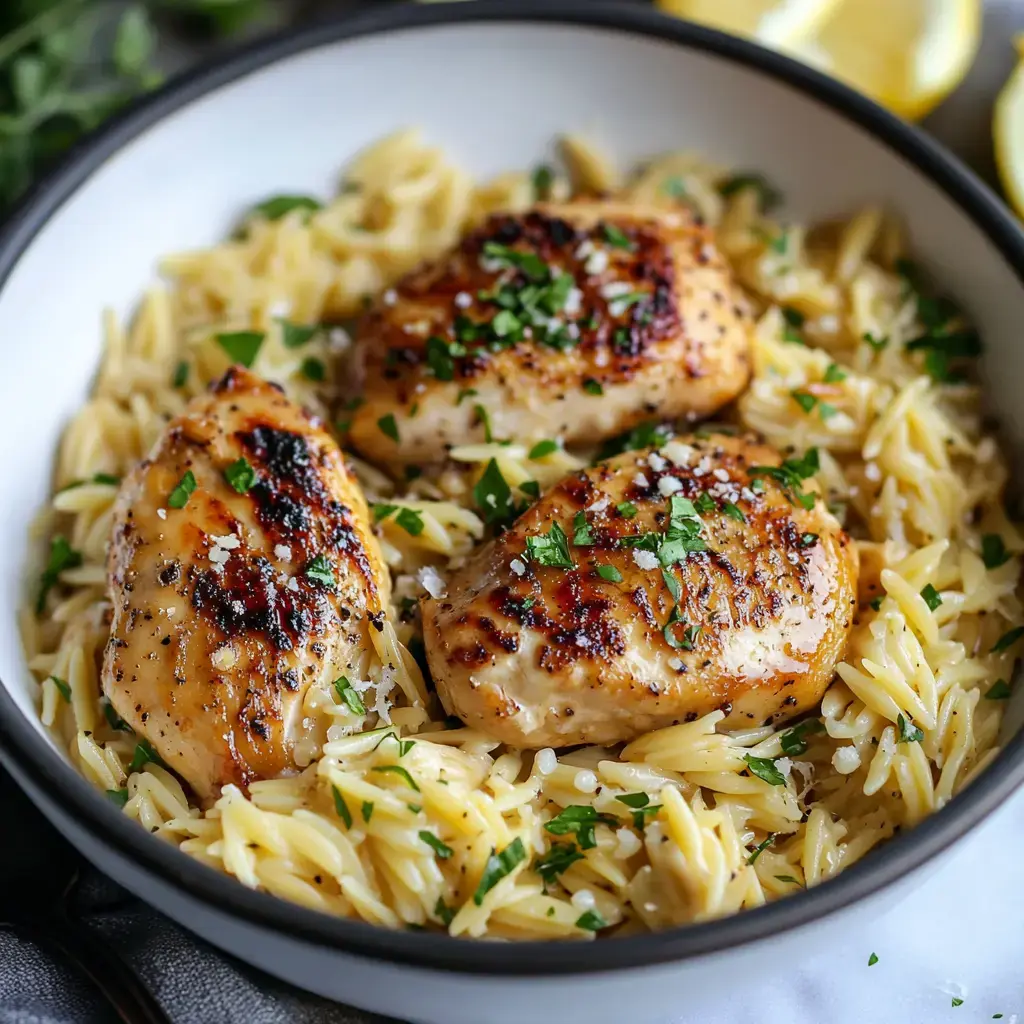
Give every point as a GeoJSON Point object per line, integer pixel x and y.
{"type": "Point", "coordinates": [495, 95]}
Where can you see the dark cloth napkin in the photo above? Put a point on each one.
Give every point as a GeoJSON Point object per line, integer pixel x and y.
{"type": "Point", "coordinates": [194, 983]}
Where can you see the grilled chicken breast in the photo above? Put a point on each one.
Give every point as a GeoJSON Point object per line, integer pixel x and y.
{"type": "Point", "coordinates": [575, 321]}
{"type": "Point", "coordinates": [242, 567]}
{"type": "Point", "coordinates": [649, 590]}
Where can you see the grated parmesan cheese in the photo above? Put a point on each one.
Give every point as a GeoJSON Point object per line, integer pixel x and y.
{"type": "Point", "coordinates": [645, 559]}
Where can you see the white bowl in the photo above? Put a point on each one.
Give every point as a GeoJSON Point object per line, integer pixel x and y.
{"type": "Point", "coordinates": [494, 82]}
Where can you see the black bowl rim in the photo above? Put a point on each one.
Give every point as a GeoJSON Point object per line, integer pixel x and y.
{"type": "Point", "coordinates": [31, 759]}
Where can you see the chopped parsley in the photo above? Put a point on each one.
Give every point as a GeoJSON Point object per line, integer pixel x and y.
{"type": "Point", "coordinates": [528, 262]}
{"type": "Point", "coordinates": [296, 335]}
{"type": "Point", "coordinates": [397, 769]}
{"type": "Point", "coordinates": [484, 419]}
{"type": "Point", "coordinates": [542, 449]}
{"type": "Point", "coordinates": [241, 475]}
{"type": "Point", "coordinates": [410, 520]}
{"type": "Point", "coordinates": [794, 320]}
{"type": "Point", "coordinates": [143, 755]}
{"type": "Point", "coordinates": [826, 410]}
{"type": "Point", "coordinates": [957, 1001]}
{"type": "Point", "coordinates": [114, 720]}
{"type": "Point", "coordinates": [875, 603]}
{"type": "Point", "coordinates": [319, 571]}
{"type": "Point", "coordinates": [559, 858]}
{"type": "Point", "coordinates": [278, 206]}
{"type": "Point", "coordinates": [591, 921]}
{"type": "Point", "coordinates": [443, 912]}
{"type": "Point", "coordinates": [1008, 639]}
{"type": "Point", "coordinates": [675, 588]}
{"type": "Point", "coordinates": [117, 796]}
{"type": "Point", "coordinates": [186, 486]}
{"type": "Point", "coordinates": [931, 596]}
{"type": "Point", "coordinates": [794, 742]}
{"type": "Point", "coordinates": [999, 690]}
{"type": "Point", "coordinates": [592, 386]}
{"type": "Point", "coordinates": [760, 848]}
{"type": "Point", "coordinates": [62, 556]}
{"type": "Point", "coordinates": [542, 179]}
{"type": "Point", "coordinates": [908, 732]}
{"type": "Point", "coordinates": [492, 495]}
{"type": "Point", "coordinates": [348, 696]}
{"type": "Point", "coordinates": [180, 375]}
{"type": "Point", "coordinates": [498, 866]}
{"type": "Point", "coordinates": [443, 850]}
{"type": "Point", "coordinates": [788, 878]}
{"type": "Point", "coordinates": [341, 807]}
{"type": "Point", "coordinates": [645, 435]}
{"type": "Point", "coordinates": [834, 374]}
{"type": "Point", "coordinates": [642, 808]}
{"type": "Point", "coordinates": [62, 687]}
{"type": "Point", "coordinates": [993, 551]}
{"type": "Point", "coordinates": [872, 960]}
{"type": "Point", "coordinates": [531, 488]}
{"type": "Point", "coordinates": [626, 509]}
{"type": "Point", "coordinates": [876, 343]}
{"type": "Point", "coordinates": [465, 393]}
{"type": "Point", "coordinates": [381, 511]}
{"type": "Point", "coordinates": [683, 534]}
{"type": "Point", "coordinates": [388, 426]}
{"type": "Point", "coordinates": [551, 549]}
{"type": "Point", "coordinates": [767, 195]}
{"type": "Point", "coordinates": [734, 512]}
{"type": "Point", "coordinates": [704, 503]}
{"type": "Point", "coordinates": [367, 811]}
{"type": "Point", "coordinates": [764, 768]}
{"type": "Point", "coordinates": [615, 237]}
{"type": "Point", "coordinates": [808, 540]}
{"type": "Point", "coordinates": [582, 535]}
{"type": "Point", "coordinates": [579, 820]}
{"type": "Point", "coordinates": [791, 475]}
{"type": "Point", "coordinates": [690, 633]}
{"type": "Point", "coordinates": [609, 573]}
{"type": "Point", "coordinates": [241, 346]}
{"type": "Point", "coordinates": [313, 369]}
{"type": "Point", "coordinates": [804, 399]}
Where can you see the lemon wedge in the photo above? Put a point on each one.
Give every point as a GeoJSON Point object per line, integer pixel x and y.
{"type": "Point", "coordinates": [906, 54]}
{"type": "Point", "coordinates": [774, 23]}
{"type": "Point", "coordinates": [1008, 133]}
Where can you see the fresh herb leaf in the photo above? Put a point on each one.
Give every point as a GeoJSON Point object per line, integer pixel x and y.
{"type": "Point", "coordinates": [675, 588]}
{"type": "Point", "coordinates": [764, 768]}
{"type": "Point", "coordinates": [734, 512]}
{"type": "Point", "coordinates": [931, 596]}
{"type": "Point", "coordinates": [279, 206]}
{"type": "Point", "coordinates": [804, 399]}
{"type": "Point", "coordinates": [410, 520]}
{"type": "Point", "coordinates": [186, 486]}
{"type": "Point", "coordinates": [62, 687]}
{"type": "Point", "coordinates": [397, 769]}
{"type": "Point", "coordinates": [559, 858]}
{"type": "Point", "coordinates": [908, 732]}
{"type": "Point", "coordinates": [768, 196]}
{"type": "Point", "coordinates": [241, 475]}
{"type": "Point", "coordinates": [443, 850]}
{"type": "Point", "coordinates": [551, 549]}
{"type": "Point", "coordinates": [531, 488]}
{"type": "Point", "coordinates": [957, 1001]}
{"type": "Point", "coordinates": [313, 369]}
{"type": "Point", "coordinates": [645, 435]}
{"type": "Point", "coordinates": [626, 509]}
{"type": "Point", "coordinates": [296, 335]}
{"type": "Point", "coordinates": [114, 720]}
{"type": "Point", "coordinates": [465, 393]}
{"type": "Point", "coordinates": [834, 374]}
{"type": "Point", "coordinates": [319, 570]}
{"type": "Point", "coordinates": [993, 551]}
{"type": "Point", "coordinates": [180, 375]}
{"type": "Point", "coordinates": [999, 690]}
{"type": "Point", "coordinates": [381, 511]}
{"type": "Point", "coordinates": [794, 741]}
{"type": "Point", "coordinates": [485, 419]}
{"type": "Point", "coordinates": [808, 540]}
{"type": "Point", "coordinates": [498, 866]}
{"type": "Point", "coordinates": [875, 603]}
{"type": "Point", "coordinates": [760, 848]}
{"type": "Point", "coordinates": [704, 503]}
{"type": "Point", "coordinates": [341, 807]}
{"type": "Point", "coordinates": [492, 495]}
{"type": "Point", "coordinates": [1008, 639]}
{"type": "Point", "coordinates": [592, 386]}
{"type": "Point", "coordinates": [788, 878]}
{"type": "Point", "coordinates": [388, 426]}
{"type": "Point", "coordinates": [241, 346]}
{"type": "Point", "coordinates": [543, 448]}
{"type": "Point", "coordinates": [579, 820]}
{"type": "Point", "coordinates": [528, 262]}
{"type": "Point", "coordinates": [582, 535]}
{"type": "Point", "coordinates": [542, 179]}
{"type": "Point", "coordinates": [615, 237]}
{"type": "Point", "coordinates": [143, 755]}
{"type": "Point", "coordinates": [876, 343]}
{"type": "Point", "coordinates": [348, 696]}
{"type": "Point", "coordinates": [367, 811]}
{"type": "Point", "coordinates": [443, 912]}
{"type": "Point", "coordinates": [872, 960]}
{"type": "Point", "coordinates": [62, 556]}
{"type": "Point", "coordinates": [117, 796]}
{"type": "Point", "coordinates": [591, 921]}
{"type": "Point", "coordinates": [609, 573]}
